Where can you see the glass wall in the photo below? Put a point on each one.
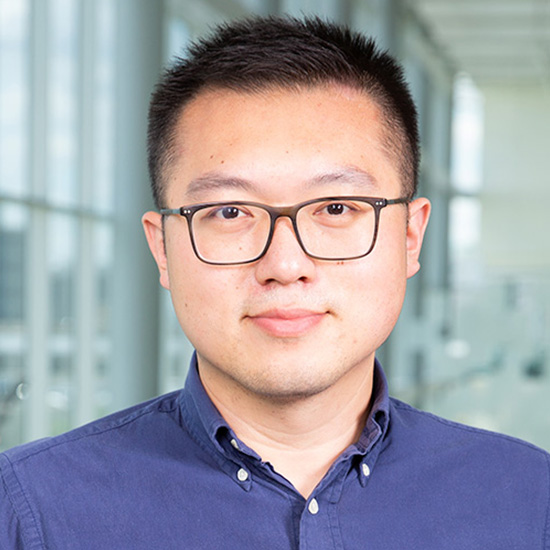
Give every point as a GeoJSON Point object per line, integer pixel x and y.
{"type": "Point", "coordinates": [498, 331]}
{"type": "Point", "coordinates": [56, 231]}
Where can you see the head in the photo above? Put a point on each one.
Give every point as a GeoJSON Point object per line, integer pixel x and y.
{"type": "Point", "coordinates": [262, 54]}
{"type": "Point", "coordinates": [283, 112]}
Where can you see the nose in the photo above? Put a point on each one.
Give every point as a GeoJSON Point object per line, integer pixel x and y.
{"type": "Point", "coordinates": [284, 262]}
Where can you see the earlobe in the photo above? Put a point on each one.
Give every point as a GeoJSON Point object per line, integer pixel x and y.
{"type": "Point", "coordinates": [419, 213]}
{"type": "Point", "coordinates": [152, 225]}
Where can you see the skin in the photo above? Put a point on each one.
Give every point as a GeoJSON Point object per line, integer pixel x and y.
{"type": "Point", "coordinates": [286, 344]}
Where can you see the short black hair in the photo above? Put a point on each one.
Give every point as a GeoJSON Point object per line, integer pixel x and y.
{"type": "Point", "coordinates": [262, 53]}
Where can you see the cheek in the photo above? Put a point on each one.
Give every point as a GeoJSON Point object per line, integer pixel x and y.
{"type": "Point", "coordinates": [187, 276]}
{"type": "Point", "coordinates": [204, 298]}
{"type": "Point", "coordinates": [377, 290]}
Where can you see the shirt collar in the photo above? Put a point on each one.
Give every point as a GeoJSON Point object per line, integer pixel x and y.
{"type": "Point", "coordinates": [378, 419]}
{"type": "Point", "coordinates": [208, 426]}
{"type": "Point", "coordinates": [201, 416]}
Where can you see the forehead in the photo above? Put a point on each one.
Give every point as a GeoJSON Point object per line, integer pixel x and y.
{"type": "Point", "coordinates": [284, 136]}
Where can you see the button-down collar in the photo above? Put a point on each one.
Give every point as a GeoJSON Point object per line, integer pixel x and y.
{"type": "Point", "coordinates": [209, 428]}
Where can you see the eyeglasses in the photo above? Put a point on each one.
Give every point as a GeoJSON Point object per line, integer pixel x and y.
{"type": "Point", "coordinates": [240, 232]}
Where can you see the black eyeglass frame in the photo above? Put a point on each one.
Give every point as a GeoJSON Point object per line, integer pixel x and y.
{"type": "Point", "coordinates": [276, 212]}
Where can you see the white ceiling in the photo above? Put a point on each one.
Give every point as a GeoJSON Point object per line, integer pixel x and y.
{"type": "Point", "coordinates": [495, 41]}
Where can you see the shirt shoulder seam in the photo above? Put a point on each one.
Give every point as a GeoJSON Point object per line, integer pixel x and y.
{"type": "Point", "coordinates": [94, 430]}
{"type": "Point", "coordinates": [464, 427]}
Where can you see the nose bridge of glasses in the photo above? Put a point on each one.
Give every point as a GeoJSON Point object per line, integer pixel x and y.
{"type": "Point", "coordinates": [277, 213]}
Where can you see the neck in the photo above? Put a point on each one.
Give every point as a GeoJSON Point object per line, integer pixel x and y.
{"type": "Point", "coordinates": [301, 438]}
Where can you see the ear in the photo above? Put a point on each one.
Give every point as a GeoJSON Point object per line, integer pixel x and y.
{"type": "Point", "coordinates": [419, 213]}
{"type": "Point", "coordinates": [152, 225]}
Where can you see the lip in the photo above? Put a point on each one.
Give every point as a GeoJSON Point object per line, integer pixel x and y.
{"type": "Point", "coordinates": [287, 323]}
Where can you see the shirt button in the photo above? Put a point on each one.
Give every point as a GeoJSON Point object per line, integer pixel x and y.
{"type": "Point", "coordinates": [365, 469]}
{"type": "Point", "coordinates": [313, 506]}
{"type": "Point", "coordinates": [242, 475]}
{"type": "Point", "coordinates": [234, 443]}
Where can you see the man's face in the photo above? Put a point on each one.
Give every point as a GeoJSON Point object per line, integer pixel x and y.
{"type": "Point", "coordinates": [286, 326]}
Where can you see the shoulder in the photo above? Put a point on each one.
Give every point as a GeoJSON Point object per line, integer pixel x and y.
{"type": "Point", "coordinates": [75, 481]}
{"type": "Point", "coordinates": [456, 446]}
{"type": "Point", "coordinates": [127, 424]}
{"type": "Point", "coordinates": [481, 489]}
{"type": "Point", "coordinates": [46, 475]}
{"type": "Point", "coordinates": [406, 416]}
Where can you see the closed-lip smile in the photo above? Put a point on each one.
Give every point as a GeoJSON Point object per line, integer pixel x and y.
{"type": "Point", "coordinates": [287, 323]}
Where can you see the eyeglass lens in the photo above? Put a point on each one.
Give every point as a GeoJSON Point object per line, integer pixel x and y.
{"type": "Point", "coordinates": [327, 229]}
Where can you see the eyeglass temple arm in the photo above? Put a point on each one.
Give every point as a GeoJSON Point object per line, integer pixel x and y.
{"type": "Point", "coordinates": [170, 211]}
{"type": "Point", "coordinates": [400, 200]}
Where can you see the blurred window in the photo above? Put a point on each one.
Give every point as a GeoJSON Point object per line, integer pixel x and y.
{"type": "Point", "coordinates": [57, 93]}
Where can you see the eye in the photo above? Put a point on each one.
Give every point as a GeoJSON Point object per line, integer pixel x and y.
{"type": "Point", "coordinates": [336, 212]}
{"type": "Point", "coordinates": [336, 208]}
{"type": "Point", "coordinates": [227, 212]}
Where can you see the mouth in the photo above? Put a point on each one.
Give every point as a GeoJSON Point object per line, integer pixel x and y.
{"type": "Point", "coordinates": [287, 323]}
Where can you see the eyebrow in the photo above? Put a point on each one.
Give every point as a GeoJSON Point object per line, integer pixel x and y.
{"type": "Point", "coordinates": [213, 181]}
{"type": "Point", "coordinates": [348, 175]}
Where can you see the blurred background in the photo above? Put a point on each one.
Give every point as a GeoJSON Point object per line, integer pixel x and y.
{"type": "Point", "coordinates": [85, 328]}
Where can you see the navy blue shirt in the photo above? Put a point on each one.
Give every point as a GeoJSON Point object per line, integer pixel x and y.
{"type": "Point", "coordinates": [171, 474]}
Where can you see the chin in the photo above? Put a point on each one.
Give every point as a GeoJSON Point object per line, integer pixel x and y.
{"type": "Point", "coordinates": [288, 395]}
{"type": "Point", "coordinates": [289, 386]}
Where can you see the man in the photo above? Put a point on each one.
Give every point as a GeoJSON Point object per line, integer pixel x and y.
{"type": "Point", "coordinates": [284, 158]}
